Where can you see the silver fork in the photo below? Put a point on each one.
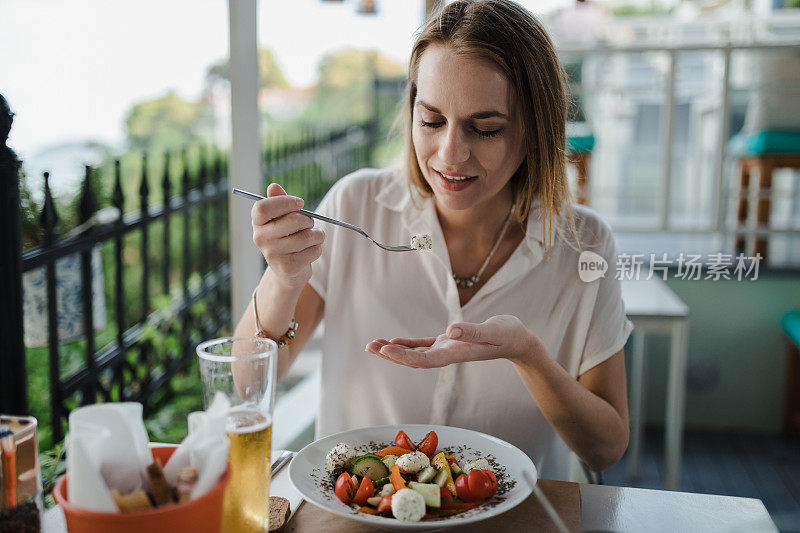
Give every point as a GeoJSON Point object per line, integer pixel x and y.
{"type": "Point", "coordinates": [312, 214]}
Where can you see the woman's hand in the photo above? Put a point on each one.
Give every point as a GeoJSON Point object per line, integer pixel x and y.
{"type": "Point", "coordinates": [287, 239]}
{"type": "Point", "coordinates": [502, 336]}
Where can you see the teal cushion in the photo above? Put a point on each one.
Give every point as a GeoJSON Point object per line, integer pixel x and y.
{"type": "Point", "coordinates": [580, 143]}
{"type": "Point", "coordinates": [791, 326]}
{"type": "Point", "coordinates": [765, 142]}
{"type": "Point", "coordinates": [579, 137]}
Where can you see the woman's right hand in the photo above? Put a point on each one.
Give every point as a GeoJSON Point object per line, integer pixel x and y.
{"type": "Point", "coordinates": [287, 239]}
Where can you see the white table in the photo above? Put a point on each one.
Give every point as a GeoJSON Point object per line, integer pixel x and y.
{"type": "Point", "coordinates": [654, 308]}
{"type": "Point", "coordinates": [623, 509]}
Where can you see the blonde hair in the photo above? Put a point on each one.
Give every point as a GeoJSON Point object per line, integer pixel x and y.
{"type": "Point", "coordinates": [511, 38]}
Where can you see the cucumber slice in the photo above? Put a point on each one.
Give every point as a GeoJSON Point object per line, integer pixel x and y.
{"type": "Point", "coordinates": [390, 460]}
{"type": "Point", "coordinates": [427, 474]}
{"type": "Point", "coordinates": [430, 492]}
{"type": "Point", "coordinates": [378, 484]}
{"type": "Point", "coordinates": [456, 470]}
{"type": "Point", "coordinates": [441, 478]}
{"type": "Point", "coordinates": [369, 465]}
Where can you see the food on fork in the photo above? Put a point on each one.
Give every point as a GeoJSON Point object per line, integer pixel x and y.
{"type": "Point", "coordinates": [421, 241]}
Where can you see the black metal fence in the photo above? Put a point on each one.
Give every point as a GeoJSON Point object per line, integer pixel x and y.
{"type": "Point", "coordinates": [174, 253]}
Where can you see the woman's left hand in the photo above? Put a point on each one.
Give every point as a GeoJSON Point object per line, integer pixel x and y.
{"type": "Point", "coordinates": [502, 336]}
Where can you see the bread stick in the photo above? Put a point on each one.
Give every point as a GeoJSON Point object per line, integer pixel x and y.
{"type": "Point", "coordinates": [185, 482]}
{"type": "Point", "coordinates": [130, 503]}
{"type": "Point", "coordinates": [160, 490]}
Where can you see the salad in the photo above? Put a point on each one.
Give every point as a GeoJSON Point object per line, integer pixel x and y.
{"type": "Point", "coordinates": [409, 482]}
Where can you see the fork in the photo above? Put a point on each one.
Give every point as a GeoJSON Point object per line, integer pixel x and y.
{"type": "Point", "coordinates": [312, 214]}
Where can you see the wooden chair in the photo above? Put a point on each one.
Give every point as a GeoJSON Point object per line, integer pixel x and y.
{"type": "Point", "coordinates": [763, 152]}
{"type": "Point", "coordinates": [580, 143]}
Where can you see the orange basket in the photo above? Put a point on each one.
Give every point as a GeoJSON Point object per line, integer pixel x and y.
{"type": "Point", "coordinates": [201, 515]}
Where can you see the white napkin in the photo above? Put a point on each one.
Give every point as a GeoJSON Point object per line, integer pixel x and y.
{"type": "Point", "coordinates": [205, 447]}
{"type": "Point", "coordinates": [108, 448]}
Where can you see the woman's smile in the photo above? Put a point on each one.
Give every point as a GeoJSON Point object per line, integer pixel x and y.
{"type": "Point", "coordinates": [454, 182]}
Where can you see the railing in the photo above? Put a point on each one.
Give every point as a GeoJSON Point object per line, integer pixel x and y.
{"type": "Point", "coordinates": [310, 161]}
{"type": "Point", "coordinates": [165, 269]}
{"type": "Point", "coordinates": [127, 366]}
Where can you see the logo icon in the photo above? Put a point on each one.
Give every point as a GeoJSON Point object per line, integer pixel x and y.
{"type": "Point", "coordinates": [591, 266]}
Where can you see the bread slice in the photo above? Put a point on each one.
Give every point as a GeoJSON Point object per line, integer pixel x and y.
{"type": "Point", "coordinates": [279, 512]}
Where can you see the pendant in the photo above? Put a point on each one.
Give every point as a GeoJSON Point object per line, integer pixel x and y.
{"type": "Point", "coordinates": [466, 283]}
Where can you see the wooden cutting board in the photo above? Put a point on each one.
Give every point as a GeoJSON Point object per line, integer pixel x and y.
{"type": "Point", "coordinates": [527, 516]}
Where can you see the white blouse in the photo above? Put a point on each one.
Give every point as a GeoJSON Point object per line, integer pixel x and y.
{"type": "Point", "coordinates": [370, 293]}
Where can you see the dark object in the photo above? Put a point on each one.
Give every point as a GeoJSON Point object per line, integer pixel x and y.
{"type": "Point", "coordinates": [24, 518]}
{"type": "Point", "coordinates": [791, 413]}
{"type": "Point", "coordinates": [13, 377]}
{"type": "Point", "coordinates": [21, 489]}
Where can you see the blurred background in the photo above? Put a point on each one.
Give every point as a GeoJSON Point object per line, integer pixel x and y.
{"type": "Point", "coordinates": [684, 134]}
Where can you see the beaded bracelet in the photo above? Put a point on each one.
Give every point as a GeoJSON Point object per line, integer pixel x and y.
{"type": "Point", "coordinates": [285, 339]}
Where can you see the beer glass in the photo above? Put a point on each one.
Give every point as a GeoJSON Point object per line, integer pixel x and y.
{"type": "Point", "coordinates": [245, 370]}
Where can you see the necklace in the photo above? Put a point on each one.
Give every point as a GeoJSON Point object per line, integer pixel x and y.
{"type": "Point", "coordinates": [467, 283]}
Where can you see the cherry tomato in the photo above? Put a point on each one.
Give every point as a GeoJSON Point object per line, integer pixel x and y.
{"type": "Point", "coordinates": [344, 489]}
{"type": "Point", "coordinates": [493, 480]}
{"type": "Point", "coordinates": [385, 505]}
{"type": "Point", "coordinates": [403, 441]}
{"type": "Point", "coordinates": [462, 488]}
{"type": "Point", "coordinates": [445, 494]}
{"type": "Point", "coordinates": [365, 490]}
{"type": "Point", "coordinates": [429, 444]}
{"type": "Point", "coordinates": [480, 486]}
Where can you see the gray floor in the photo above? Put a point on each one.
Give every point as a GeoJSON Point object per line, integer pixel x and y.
{"type": "Point", "coordinates": [751, 466]}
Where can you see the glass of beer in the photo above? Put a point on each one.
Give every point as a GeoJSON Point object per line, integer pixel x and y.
{"type": "Point", "coordinates": [245, 370]}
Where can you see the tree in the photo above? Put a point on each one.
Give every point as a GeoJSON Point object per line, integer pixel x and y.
{"type": "Point", "coordinates": [345, 83]}
{"type": "Point", "coordinates": [269, 73]}
{"type": "Point", "coordinates": [166, 122]}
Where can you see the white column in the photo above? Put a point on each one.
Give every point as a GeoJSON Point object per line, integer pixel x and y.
{"type": "Point", "coordinates": [245, 158]}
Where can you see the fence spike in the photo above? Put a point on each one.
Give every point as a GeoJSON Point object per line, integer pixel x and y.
{"type": "Point", "coordinates": [88, 204]}
{"type": "Point", "coordinates": [203, 175]}
{"type": "Point", "coordinates": [166, 183]}
{"type": "Point", "coordinates": [217, 171]}
{"type": "Point", "coordinates": [144, 187]}
{"type": "Point", "coordinates": [49, 217]}
{"type": "Point", "coordinates": [118, 196]}
{"type": "Point", "coordinates": [186, 181]}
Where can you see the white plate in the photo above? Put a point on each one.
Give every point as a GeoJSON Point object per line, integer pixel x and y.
{"type": "Point", "coordinates": [515, 472]}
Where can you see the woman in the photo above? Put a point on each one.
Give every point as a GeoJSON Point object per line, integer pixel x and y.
{"type": "Point", "coordinates": [493, 329]}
